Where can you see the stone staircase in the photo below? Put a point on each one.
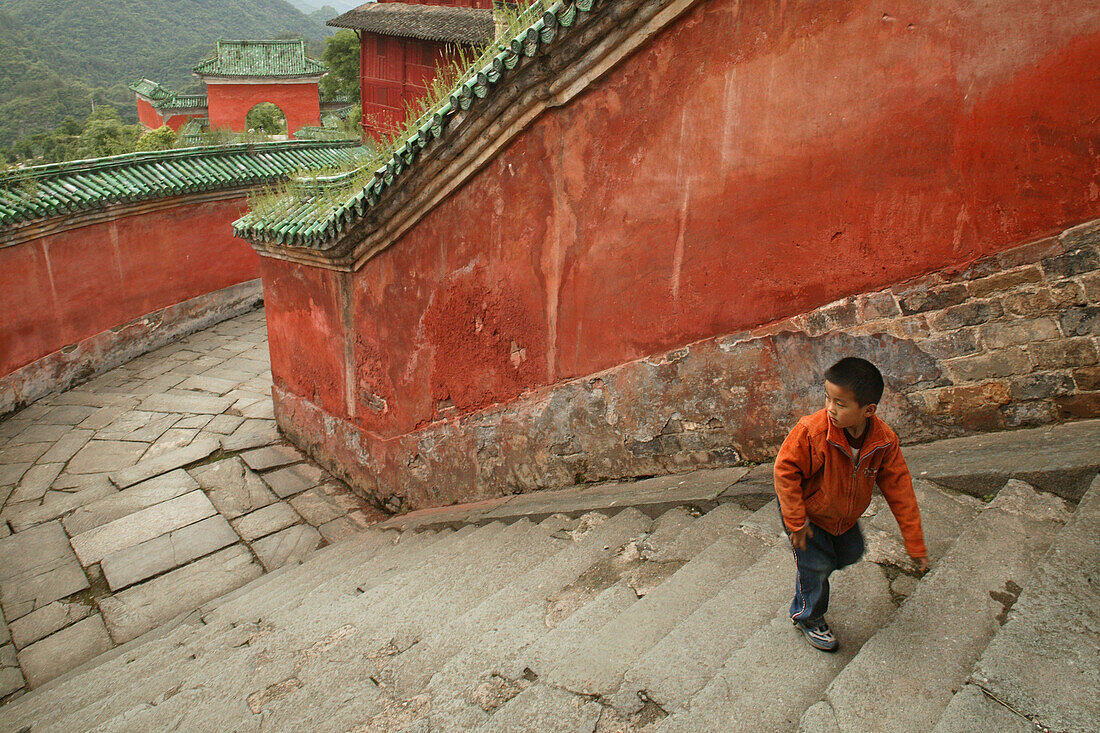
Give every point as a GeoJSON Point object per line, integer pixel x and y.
{"type": "Point", "coordinates": [618, 621]}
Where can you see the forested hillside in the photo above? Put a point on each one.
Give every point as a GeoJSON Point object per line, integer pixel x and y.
{"type": "Point", "coordinates": [58, 56]}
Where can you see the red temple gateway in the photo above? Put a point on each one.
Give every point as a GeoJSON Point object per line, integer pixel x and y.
{"type": "Point", "coordinates": [238, 76]}
{"type": "Point", "coordinates": [401, 47]}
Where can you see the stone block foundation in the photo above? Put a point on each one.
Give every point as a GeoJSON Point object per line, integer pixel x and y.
{"type": "Point", "coordinates": [1010, 340]}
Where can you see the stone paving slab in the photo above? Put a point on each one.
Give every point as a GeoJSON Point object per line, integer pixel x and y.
{"type": "Point", "coordinates": [68, 648]}
{"type": "Point", "coordinates": [290, 545]}
{"type": "Point", "coordinates": [185, 403]}
{"type": "Point", "coordinates": [39, 624]}
{"type": "Point", "coordinates": [137, 497]}
{"type": "Point", "coordinates": [265, 521]}
{"type": "Point", "coordinates": [36, 481]}
{"type": "Point", "coordinates": [26, 453]}
{"type": "Point", "coordinates": [262, 459]}
{"type": "Point", "coordinates": [166, 552]}
{"type": "Point", "coordinates": [252, 434]}
{"type": "Point", "coordinates": [178, 458]}
{"type": "Point", "coordinates": [26, 552]}
{"type": "Point", "coordinates": [232, 487]}
{"type": "Point", "coordinates": [224, 424]}
{"type": "Point", "coordinates": [57, 503]}
{"type": "Point", "coordinates": [100, 456]}
{"type": "Point", "coordinates": [136, 610]}
{"type": "Point", "coordinates": [48, 582]}
{"type": "Point", "coordinates": [11, 677]}
{"type": "Point", "coordinates": [318, 506]}
{"type": "Point", "coordinates": [294, 479]}
{"type": "Point", "coordinates": [95, 544]}
{"type": "Point", "coordinates": [213, 385]}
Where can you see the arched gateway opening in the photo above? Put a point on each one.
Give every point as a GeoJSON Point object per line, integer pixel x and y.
{"type": "Point", "coordinates": [266, 118]}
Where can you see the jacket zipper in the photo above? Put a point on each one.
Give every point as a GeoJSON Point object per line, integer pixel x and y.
{"type": "Point", "coordinates": [855, 468]}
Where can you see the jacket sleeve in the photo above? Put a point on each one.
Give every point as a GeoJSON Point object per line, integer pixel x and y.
{"type": "Point", "coordinates": [792, 467]}
{"type": "Point", "coordinates": [897, 487]}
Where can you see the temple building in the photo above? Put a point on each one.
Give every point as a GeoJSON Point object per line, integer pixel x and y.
{"type": "Point", "coordinates": [403, 44]}
{"type": "Point", "coordinates": [239, 75]}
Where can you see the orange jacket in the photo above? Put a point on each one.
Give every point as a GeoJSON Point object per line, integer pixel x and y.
{"type": "Point", "coordinates": [815, 478]}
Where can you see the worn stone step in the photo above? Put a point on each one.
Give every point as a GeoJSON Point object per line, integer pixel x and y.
{"type": "Point", "coordinates": [545, 709]}
{"type": "Point", "coordinates": [415, 667]}
{"type": "Point", "coordinates": [143, 669]}
{"type": "Point", "coordinates": [335, 561]}
{"type": "Point", "coordinates": [598, 668]}
{"type": "Point", "coordinates": [312, 664]}
{"type": "Point", "coordinates": [1044, 663]}
{"type": "Point", "coordinates": [688, 657]}
{"type": "Point", "coordinates": [328, 559]}
{"type": "Point", "coordinates": [958, 606]}
{"type": "Point", "coordinates": [767, 683]}
{"type": "Point", "coordinates": [944, 515]}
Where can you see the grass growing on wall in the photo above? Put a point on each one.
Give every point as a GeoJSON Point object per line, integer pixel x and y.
{"type": "Point", "coordinates": [313, 195]}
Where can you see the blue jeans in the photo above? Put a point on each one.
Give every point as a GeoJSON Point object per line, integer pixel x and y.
{"type": "Point", "coordinates": [824, 553]}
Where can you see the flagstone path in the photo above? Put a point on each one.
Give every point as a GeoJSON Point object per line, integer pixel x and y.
{"type": "Point", "coordinates": [146, 492]}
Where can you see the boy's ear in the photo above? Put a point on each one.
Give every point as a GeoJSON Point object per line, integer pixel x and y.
{"type": "Point", "coordinates": [869, 410]}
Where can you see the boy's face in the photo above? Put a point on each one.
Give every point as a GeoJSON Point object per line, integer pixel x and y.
{"type": "Point", "coordinates": [844, 409]}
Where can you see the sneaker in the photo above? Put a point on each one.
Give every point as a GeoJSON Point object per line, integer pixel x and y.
{"type": "Point", "coordinates": [818, 635]}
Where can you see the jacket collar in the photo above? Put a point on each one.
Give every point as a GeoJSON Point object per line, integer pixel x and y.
{"type": "Point", "coordinates": [876, 435]}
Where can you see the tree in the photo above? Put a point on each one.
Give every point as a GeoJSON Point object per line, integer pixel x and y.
{"type": "Point", "coordinates": [104, 134]}
{"type": "Point", "coordinates": [162, 138]}
{"type": "Point", "coordinates": [342, 57]}
{"type": "Point", "coordinates": [266, 117]}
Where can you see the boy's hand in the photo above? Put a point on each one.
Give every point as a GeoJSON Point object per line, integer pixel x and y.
{"type": "Point", "coordinates": [798, 538]}
{"type": "Point", "coordinates": [921, 563]}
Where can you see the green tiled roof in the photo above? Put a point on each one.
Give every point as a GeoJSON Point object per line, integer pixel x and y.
{"type": "Point", "coordinates": [151, 90]}
{"type": "Point", "coordinates": [260, 58]}
{"type": "Point", "coordinates": [311, 222]}
{"type": "Point", "coordinates": [182, 101]}
{"type": "Point", "coordinates": [61, 189]}
{"type": "Point", "coordinates": [161, 97]}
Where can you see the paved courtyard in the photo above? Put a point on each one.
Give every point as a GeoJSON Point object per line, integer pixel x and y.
{"type": "Point", "coordinates": [146, 492]}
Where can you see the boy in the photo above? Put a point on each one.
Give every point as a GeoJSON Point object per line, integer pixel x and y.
{"type": "Point", "coordinates": [824, 474]}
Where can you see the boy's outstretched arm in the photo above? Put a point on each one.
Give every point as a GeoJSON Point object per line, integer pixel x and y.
{"type": "Point", "coordinates": [792, 466]}
{"type": "Point", "coordinates": [896, 485]}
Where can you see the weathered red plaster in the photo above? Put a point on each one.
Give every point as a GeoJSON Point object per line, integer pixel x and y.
{"type": "Point", "coordinates": [305, 331]}
{"type": "Point", "coordinates": [64, 288]}
{"type": "Point", "coordinates": [754, 161]}
{"type": "Point", "coordinates": [228, 104]}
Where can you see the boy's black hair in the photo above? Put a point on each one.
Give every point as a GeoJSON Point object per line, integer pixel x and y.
{"type": "Point", "coordinates": [858, 375]}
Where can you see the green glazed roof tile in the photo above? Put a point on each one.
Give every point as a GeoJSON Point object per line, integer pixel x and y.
{"type": "Point", "coordinates": [260, 58]}
{"type": "Point", "coordinates": [540, 27]}
{"type": "Point", "coordinates": [62, 188]}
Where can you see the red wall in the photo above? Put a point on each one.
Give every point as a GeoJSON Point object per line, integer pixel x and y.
{"type": "Point", "coordinates": [754, 161]}
{"type": "Point", "coordinates": [60, 289]}
{"type": "Point", "coordinates": [151, 117]}
{"type": "Point", "coordinates": [228, 104]}
{"type": "Point", "coordinates": [147, 115]}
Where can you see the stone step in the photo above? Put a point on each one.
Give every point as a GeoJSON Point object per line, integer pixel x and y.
{"type": "Point", "coordinates": [287, 645]}
{"type": "Point", "coordinates": [152, 673]}
{"type": "Point", "coordinates": [1044, 663]}
{"type": "Point", "coordinates": [545, 709]}
{"type": "Point", "coordinates": [159, 653]}
{"type": "Point", "coordinates": [597, 669]}
{"type": "Point", "coordinates": [687, 658]}
{"type": "Point", "coordinates": [767, 683]}
{"type": "Point", "coordinates": [415, 667]}
{"type": "Point", "coordinates": [956, 607]}
{"type": "Point", "coordinates": [329, 559]}
{"type": "Point", "coordinates": [366, 672]}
